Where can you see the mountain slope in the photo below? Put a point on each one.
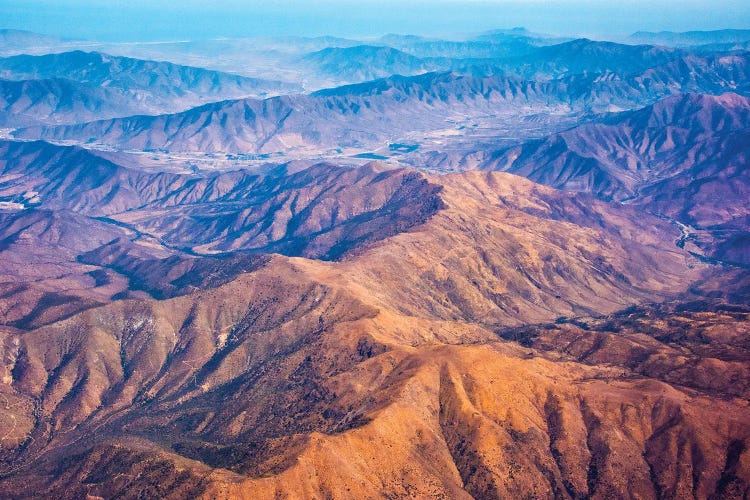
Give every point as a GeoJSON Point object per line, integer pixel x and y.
{"type": "Point", "coordinates": [502, 250]}
{"type": "Point", "coordinates": [363, 62]}
{"type": "Point", "coordinates": [676, 157]}
{"type": "Point", "coordinates": [57, 263]}
{"type": "Point", "coordinates": [628, 150]}
{"type": "Point", "coordinates": [59, 101]}
{"type": "Point", "coordinates": [72, 178]}
{"type": "Point", "coordinates": [321, 212]}
{"type": "Point", "coordinates": [299, 365]}
{"type": "Point", "coordinates": [40, 279]}
{"type": "Point", "coordinates": [144, 86]}
{"type": "Point", "coordinates": [449, 49]}
{"type": "Point", "coordinates": [321, 391]}
{"type": "Point", "coordinates": [344, 117]}
{"type": "Point", "coordinates": [367, 114]}
{"type": "Point", "coordinates": [585, 56]}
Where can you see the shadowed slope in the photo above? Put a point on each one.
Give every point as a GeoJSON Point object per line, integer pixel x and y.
{"type": "Point", "coordinates": [321, 212]}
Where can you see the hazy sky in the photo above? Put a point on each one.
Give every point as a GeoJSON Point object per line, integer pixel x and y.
{"type": "Point", "coordinates": [141, 20]}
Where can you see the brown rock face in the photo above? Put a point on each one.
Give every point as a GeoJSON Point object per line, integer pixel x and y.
{"type": "Point", "coordinates": [405, 369]}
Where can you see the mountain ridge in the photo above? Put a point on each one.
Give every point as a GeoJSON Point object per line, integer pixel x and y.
{"type": "Point", "coordinates": [295, 123]}
{"type": "Point", "coordinates": [125, 86]}
{"type": "Point", "coordinates": [308, 329]}
{"type": "Point", "coordinates": [675, 158]}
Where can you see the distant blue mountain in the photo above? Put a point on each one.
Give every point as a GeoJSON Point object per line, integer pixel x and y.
{"type": "Point", "coordinates": [364, 62]}
{"type": "Point", "coordinates": [690, 38]}
{"type": "Point", "coordinates": [73, 87]}
{"type": "Point", "coordinates": [367, 113]}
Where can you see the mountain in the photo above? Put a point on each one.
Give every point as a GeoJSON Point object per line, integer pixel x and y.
{"type": "Point", "coordinates": [147, 86]}
{"type": "Point", "coordinates": [690, 38]}
{"type": "Point", "coordinates": [40, 280]}
{"type": "Point", "coordinates": [520, 33]}
{"type": "Point", "coordinates": [70, 239]}
{"type": "Point", "coordinates": [74, 179]}
{"type": "Point", "coordinates": [363, 62]}
{"type": "Point", "coordinates": [280, 212]}
{"type": "Point", "coordinates": [724, 47]}
{"type": "Point", "coordinates": [512, 55]}
{"type": "Point", "coordinates": [713, 73]}
{"type": "Point", "coordinates": [314, 398]}
{"type": "Point", "coordinates": [352, 116]}
{"type": "Point", "coordinates": [265, 58]}
{"type": "Point", "coordinates": [630, 149]}
{"type": "Point", "coordinates": [584, 56]}
{"type": "Point", "coordinates": [58, 263]}
{"type": "Point", "coordinates": [298, 364]}
{"type": "Point", "coordinates": [59, 101]}
{"type": "Point", "coordinates": [627, 77]}
{"type": "Point", "coordinates": [365, 115]}
{"type": "Point", "coordinates": [449, 49]}
{"type": "Point", "coordinates": [195, 305]}
{"type": "Point", "coordinates": [362, 115]}
{"type": "Point", "coordinates": [322, 212]}
{"type": "Point", "coordinates": [676, 157]}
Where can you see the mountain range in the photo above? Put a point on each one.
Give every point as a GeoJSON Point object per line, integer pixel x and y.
{"type": "Point", "coordinates": [78, 86]}
{"type": "Point", "coordinates": [364, 62]}
{"type": "Point", "coordinates": [365, 115]}
{"type": "Point", "coordinates": [512, 57]}
{"type": "Point", "coordinates": [538, 289]}
{"type": "Point", "coordinates": [343, 117]}
{"type": "Point", "coordinates": [32, 102]}
{"type": "Point", "coordinates": [290, 343]}
{"type": "Point", "coordinates": [677, 157]}
{"type": "Point", "coordinates": [691, 38]}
